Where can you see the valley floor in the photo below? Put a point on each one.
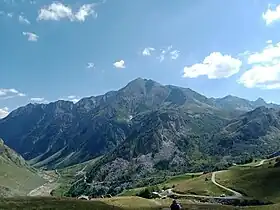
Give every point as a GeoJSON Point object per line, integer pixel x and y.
{"type": "Point", "coordinates": [238, 182]}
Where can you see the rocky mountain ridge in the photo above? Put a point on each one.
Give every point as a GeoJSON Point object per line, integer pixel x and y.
{"type": "Point", "coordinates": [63, 133]}
{"type": "Point", "coordinates": [142, 130]}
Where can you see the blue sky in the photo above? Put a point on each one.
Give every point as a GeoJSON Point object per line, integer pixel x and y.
{"type": "Point", "coordinates": [52, 50]}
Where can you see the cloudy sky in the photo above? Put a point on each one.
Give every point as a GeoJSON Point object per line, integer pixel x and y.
{"type": "Point", "coordinates": [69, 49]}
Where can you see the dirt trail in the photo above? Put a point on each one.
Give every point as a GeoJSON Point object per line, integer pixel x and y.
{"type": "Point", "coordinates": [235, 194]}
{"type": "Point", "coordinates": [260, 163]}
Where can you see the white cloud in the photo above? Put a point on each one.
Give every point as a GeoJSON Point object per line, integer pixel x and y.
{"type": "Point", "coordinates": [264, 77]}
{"type": "Point", "coordinates": [269, 54]}
{"type": "Point", "coordinates": [90, 65]}
{"type": "Point", "coordinates": [4, 112]}
{"type": "Point", "coordinates": [271, 16]}
{"type": "Point", "coordinates": [10, 15]}
{"type": "Point", "coordinates": [31, 36]}
{"type": "Point", "coordinates": [71, 98]}
{"type": "Point", "coordinates": [75, 100]}
{"type": "Point", "coordinates": [174, 54]}
{"type": "Point", "coordinates": [214, 66]}
{"type": "Point", "coordinates": [37, 99]}
{"type": "Point", "coordinates": [21, 94]}
{"type": "Point", "coordinates": [163, 52]}
{"type": "Point", "coordinates": [10, 93]}
{"type": "Point", "coordinates": [119, 64]}
{"type": "Point", "coordinates": [57, 11]}
{"type": "Point", "coordinates": [23, 19]}
{"type": "Point", "coordinates": [264, 72]}
{"type": "Point", "coordinates": [85, 11]}
{"type": "Point", "coordinates": [148, 51]}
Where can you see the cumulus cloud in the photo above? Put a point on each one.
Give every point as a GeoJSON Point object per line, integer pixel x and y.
{"type": "Point", "coordinates": [57, 11]}
{"type": "Point", "coordinates": [214, 66]}
{"type": "Point", "coordinates": [4, 112]}
{"type": "Point", "coordinates": [264, 77]}
{"type": "Point", "coordinates": [264, 71]}
{"type": "Point", "coordinates": [23, 19]}
{"type": "Point", "coordinates": [270, 54]}
{"type": "Point", "coordinates": [119, 64]}
{"type": "Point", "coordinates": [271, 15]}
{"type": "Point", "coordinates": [148, 51]}
{"type": "Point", "coordinates": [32, 37]}
{"type": "Point", "coordinates": [10, 93]}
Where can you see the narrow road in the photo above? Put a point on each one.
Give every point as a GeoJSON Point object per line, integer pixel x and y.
{"type": "Point", "coordinates": [236, 195]}
{"type": "Point", "coordinates": [260, 163]}
{"type": "Point", "coordinates": [213, 179]}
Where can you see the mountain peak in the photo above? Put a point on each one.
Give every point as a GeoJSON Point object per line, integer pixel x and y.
{"type": "Point", "coordinates": [140, 85]}
{"type": "Point", "coordinates": [140, 80]}
{"type": "Point", "coordinates": [230, 97]}
{"type": "Point", "coordinates": [260, 100]}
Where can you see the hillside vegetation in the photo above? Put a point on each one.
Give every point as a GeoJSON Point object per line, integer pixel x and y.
{"type": "Point", "coordinates": [16, 176]}
{"type": "Point", "coordinates": [68, 176]}
{"type": "Point", "coordinates": [145, 132]}
{"type": "Point", "coordinates": [256, 182]}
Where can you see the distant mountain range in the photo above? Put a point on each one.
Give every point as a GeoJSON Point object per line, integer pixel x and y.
{"type": "Point", "coordinates": [141, 130]}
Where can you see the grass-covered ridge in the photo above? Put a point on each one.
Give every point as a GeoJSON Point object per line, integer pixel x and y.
{"type": "Point", "coordinates": [16, 176]}
{"type": "Point", "coordinates": [260, 182]}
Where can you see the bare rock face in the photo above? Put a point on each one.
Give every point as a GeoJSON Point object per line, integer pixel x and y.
{"type": "Point", "coordinates": [142, 131]}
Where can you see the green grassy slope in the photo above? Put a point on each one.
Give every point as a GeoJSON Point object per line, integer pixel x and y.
{"type": "Point", "coordinates": [257, 182]}
{"type": "Point", "coordinates": [16, 177]}
{"type": "Point", "coordinates": [117, 203]}
{"type": "Point", "coordinates": [129, 203]}
{"type": "Point", "coordinates": [201, 185]}
{"type": "Point", "coordinates": [169, 183]}
{"type": "Point", "coordinates": [195, 184]}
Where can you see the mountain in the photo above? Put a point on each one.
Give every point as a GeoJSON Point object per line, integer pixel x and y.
{"type": "Point", "coordinates": [141, 131]}
{"type": "Point", "coordinates": [168, 142]}
{"type": "Point", "coordinates": [255, 133]}
{"type": "Point", "coordinates": [16, 176]}
{"type": "Point", "coordinates": [240, 105]}
{"type": "Point", "coordinates": [63, 133]}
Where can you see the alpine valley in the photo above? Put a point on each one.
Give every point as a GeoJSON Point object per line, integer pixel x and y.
{"type": "Point", "coordinates": [141, 134]}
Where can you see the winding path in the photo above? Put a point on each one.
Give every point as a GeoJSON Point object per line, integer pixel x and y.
{"type": "Point", "coordinates": [260, 163]}
{"type": "Point", "coordinates": [235, 194]}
